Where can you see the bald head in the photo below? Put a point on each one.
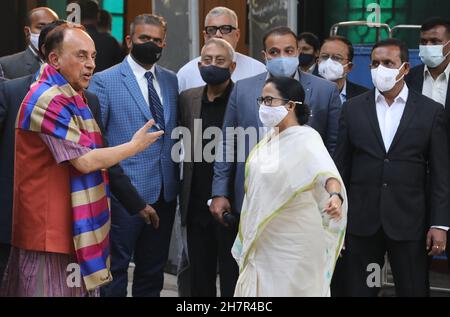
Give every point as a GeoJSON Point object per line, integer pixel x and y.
{"type": "Point", "coordinates": [71, 51]}
{"type": "Point", "coordinates": [37, 19]}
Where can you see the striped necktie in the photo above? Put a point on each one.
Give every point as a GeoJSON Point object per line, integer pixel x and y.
{"type": "Point", "coordinates": [155, 103]}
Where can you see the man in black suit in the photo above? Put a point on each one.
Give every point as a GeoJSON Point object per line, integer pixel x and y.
{"type": "Point", "coordinates": [433, 78]}
{"type": "Point", "coordinates": [28, 61]}
{"type": "Point", "coordinates": [388, 138]}
{"type": "Point", "coordinates": [109, 52]}
{"type": "Point", "coordinates": [336, 62]}
{"type": "Point", "coordinates": [12, 94]}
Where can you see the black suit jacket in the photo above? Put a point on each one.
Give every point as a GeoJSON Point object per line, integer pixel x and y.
{"type": "Point", "coordinates": [388, 190]}
{"type": "Point", "coordinates": [414, 80]}
{"type": "Point", "coordinates": [21, 64]}
{"type": "Point", "coordinates": [12, 94]}
{"type": "Point", "coordinates": [354, 90]}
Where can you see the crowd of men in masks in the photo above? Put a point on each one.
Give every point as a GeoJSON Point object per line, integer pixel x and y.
{"type": "Point", "coordinates": [395, 167]}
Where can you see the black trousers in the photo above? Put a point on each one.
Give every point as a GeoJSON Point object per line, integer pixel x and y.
{"type": "Point", "coordinates": [339, 280]}
{"type": "Point", "coordinates": [4, 257]}
{"type": "Point", "coordinates": [408, 259]}
{"type": "Point", "coordinates": [208, 244]}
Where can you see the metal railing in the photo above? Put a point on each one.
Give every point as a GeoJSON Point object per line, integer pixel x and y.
{"type": "Point", "coordinates": [335, 28]}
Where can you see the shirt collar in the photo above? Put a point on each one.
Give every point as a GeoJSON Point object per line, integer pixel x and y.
{"type": "Point", "coordinates": [402, 96]}
{"type": "Point", "coordinates": [344, 89]}
{"type": "Point", "coordinates": [426, 72]}
{"type": "Point", "coordinates": [312, 68]}
{"type": "Point", "coordinates": [138, 70]}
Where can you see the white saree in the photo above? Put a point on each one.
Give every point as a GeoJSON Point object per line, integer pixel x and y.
{"type": "Point", "coordinates": [287, 245]}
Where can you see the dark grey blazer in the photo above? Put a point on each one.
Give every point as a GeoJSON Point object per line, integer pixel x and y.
{"type": "Point", "coordinates": [20, 64]}
{"type": "Point", "coordinates": [190, 107]}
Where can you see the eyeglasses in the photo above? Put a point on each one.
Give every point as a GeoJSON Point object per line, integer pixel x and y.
{"type": "Point", "coordinates": [224, 29]}
{"type": "Point", "coordinates": [267, 101]}
{"type": "Point", "coordinates": [335, 58]}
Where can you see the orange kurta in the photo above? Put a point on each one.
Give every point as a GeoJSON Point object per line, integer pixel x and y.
{"type": "Point", "coordinates": [42, 216]}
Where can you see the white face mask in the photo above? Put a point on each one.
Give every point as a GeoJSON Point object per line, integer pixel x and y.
{"type": "Point", "coordinates": [384, 79]}
{"type": "Point", "coordinates": [34, 40]}
{"type": "Point", "coordinates": [433, 55]}
{"type": "Point", "coordinates": [272, 116]}
{"type": "Point", "coordinates": [331, 70]}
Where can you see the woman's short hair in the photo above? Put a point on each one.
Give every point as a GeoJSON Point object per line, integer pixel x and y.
{"type": "Point", "coordinates": [291, 89]}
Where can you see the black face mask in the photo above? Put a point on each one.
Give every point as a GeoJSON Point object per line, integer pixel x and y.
{"type": "Point", "coordinates": [306, 59]}
{"type": "Point", "coordinates": [146, 53]}
{"type": "Point", "coordinates": [213, 75]}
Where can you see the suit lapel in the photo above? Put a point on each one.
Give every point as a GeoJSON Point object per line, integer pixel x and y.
{"type": "Point", "coordinates": [259, 86]}
{"type": "Point", "coordinates": [416, 83]}
{"type": "Point", "coordinates": [130, 82]}
{"type": "Point", "coordinates": [371, 111]}
{"type": "Point", "coordinates": [306, 83]}
{"type": "Point", "coordinates": [408, 114]}
{"type": "Point", "coordinates": [196, 107]}
{"type": "Point", "coordinates": [351, 90]}
{"type": "Point", "coordinates": [31, 61]}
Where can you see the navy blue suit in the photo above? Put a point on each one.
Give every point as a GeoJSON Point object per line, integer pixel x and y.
{"type": "Point", "coordinates": [154, 174]}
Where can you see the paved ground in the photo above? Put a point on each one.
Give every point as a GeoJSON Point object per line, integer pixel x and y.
{"type": "Point", "coordinates": [437, 279]}
{"type": "Point", "coordinates": [170, 284]}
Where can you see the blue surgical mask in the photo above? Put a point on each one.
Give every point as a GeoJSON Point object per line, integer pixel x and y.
{"type": "Point", "coordinates": [282, 66]}
{"type": "Point", "coordinates": [433, 55]}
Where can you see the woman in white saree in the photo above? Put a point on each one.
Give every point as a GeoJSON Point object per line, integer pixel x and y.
{"type": "Point", "coordinates": [294, 213]}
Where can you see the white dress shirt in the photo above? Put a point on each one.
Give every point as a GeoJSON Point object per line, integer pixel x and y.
{"type": "Point", "coordinates": [436, 89]}
{"type": "Point", "coordinates": [139, 72]}
{"type": "Point", "coordinates": [389, 118]}
{"type": "Point", "coordinates": [189, 75]}
{"type": "Point", "coordinates": [343, 93]}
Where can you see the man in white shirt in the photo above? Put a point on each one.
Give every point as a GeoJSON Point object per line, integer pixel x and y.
{"type": "Point", "coordinates": [222, 23]}
{"type": "Point", "coordinates": [392, 152]}
{"type": "Point", "coordinates": [432, 79]}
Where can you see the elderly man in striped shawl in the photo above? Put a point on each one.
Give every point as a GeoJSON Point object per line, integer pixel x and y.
{"type": "Point", "coordinates": [61, 216]}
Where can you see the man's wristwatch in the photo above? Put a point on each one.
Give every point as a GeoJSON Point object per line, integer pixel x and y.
{"type": "Point", "coordinates": [337, 194]}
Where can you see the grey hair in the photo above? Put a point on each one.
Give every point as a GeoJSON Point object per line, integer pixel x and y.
{"type": "Point", "coordinates": [218, 11]}
{"type": "Point", "coordinates": [150, 19]}
{"type": "Point", "coordinates": [223, 44]}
